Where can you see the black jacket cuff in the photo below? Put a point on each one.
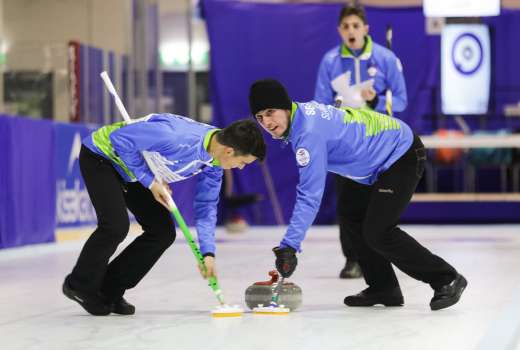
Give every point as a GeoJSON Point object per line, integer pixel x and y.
{"type": "Point", "coordinates": [372, 104]}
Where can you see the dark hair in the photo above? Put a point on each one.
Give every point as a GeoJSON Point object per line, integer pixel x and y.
{"type": "Point", "coordinates": [244, 137]}
{"type": "Point", "coordinates": [354, 9]}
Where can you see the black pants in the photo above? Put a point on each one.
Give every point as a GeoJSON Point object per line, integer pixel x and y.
{"type": "Point", "coordinates": [368, 226]}
{"type": "Point", "coordinates": [111, 197]}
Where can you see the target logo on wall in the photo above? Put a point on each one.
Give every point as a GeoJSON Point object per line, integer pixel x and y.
{"type": "Point", "coordinates": [465, 69]}
{"type": "Point", "coordinates": [467, 53]}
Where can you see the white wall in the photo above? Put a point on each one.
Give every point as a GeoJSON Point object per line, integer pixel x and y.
{"type": "Point", "coordinates": [173, 42]}
{"type": "Point", "coordinates": [38, 32]}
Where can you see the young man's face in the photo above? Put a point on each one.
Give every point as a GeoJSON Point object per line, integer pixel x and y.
{"type": "Point", "coordinates": [352, 30]}
{"type": "Point", "coordinates": [228, 160]}
{"type": "Point", "coordinates": [274, 121]}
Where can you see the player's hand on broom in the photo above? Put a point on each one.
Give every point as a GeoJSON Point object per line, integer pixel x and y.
{"type": "Point", "coordinates": [211, 270]}
{"type": "Point", "coordinates": [161, 193]}
{"type": "Point", "coordinates": [167, 187]}
{"type": "Point", "coordinates": [286, 260]}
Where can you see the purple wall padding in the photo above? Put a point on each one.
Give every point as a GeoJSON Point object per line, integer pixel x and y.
{"type": "Point", "coordinates": [92, 88]}
{"type": "Point", "coordinates": [112, 116]}
{"type": "Point", "coordinates": [83, 85]}
{"type": "Point", "coordinates": [73, 207]}
{"type": "Point", "coordinates": [27, 178]}
{"type": "Point", "coordinates": [95, 85]}
{"type": "Point", "coordinates": [125, 75]}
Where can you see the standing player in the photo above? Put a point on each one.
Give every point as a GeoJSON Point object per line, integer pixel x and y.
{"type": "Point", "coordinates": [382, 161]}
{"type": "Point", "coordinates": [117, 178]}
{"type": "Point", "coordinates": [358, 60]}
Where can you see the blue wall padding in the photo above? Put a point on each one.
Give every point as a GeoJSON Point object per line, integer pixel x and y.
{"type": "Point", "coordinates": [27, 181]}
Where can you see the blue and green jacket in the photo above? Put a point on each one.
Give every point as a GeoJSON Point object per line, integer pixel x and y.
{"type": "Point", "coordinates": [374, 62]}
{"type": "Point", "coordinates": [178, 147]}
{"type": "Point", "coordinates": [358, 144]}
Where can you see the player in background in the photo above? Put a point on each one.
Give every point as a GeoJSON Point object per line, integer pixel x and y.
{"type": "Point", "coordinates": [367, 75]}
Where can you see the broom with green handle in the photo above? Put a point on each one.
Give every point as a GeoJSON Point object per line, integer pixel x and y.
{"type": "Point", "coordinates": [213, 282]}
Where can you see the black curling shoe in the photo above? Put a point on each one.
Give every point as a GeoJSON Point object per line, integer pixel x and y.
{"type": "Point", "coordinates": [351, 270]}
{"type": "Point", "coordinates": [392, 297]}
{"type": "Point", "coordinates": [448, 294]}
{"type": "Point", "coordinates": [92, 304]}
{"type": "Point", "coordinates": [122, 307]}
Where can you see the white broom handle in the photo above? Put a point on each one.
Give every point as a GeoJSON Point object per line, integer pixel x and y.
{"type": "Point", "coordinates": [112, 90]}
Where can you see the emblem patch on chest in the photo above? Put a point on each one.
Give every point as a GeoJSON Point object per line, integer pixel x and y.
{"type": "Point", "coordinates": [302, 157]}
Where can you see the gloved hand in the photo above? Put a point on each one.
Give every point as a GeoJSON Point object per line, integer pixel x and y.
{"type": "Point", "coordinates": [286, 260]}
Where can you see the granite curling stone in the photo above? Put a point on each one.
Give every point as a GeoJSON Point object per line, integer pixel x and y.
{"type": "Point", "coordinates": [260, 293]}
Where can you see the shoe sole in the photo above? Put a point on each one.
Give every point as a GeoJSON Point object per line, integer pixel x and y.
{"type": "Point", "coordinates": [392, 303]}
{"type": "Point", "coordinates": [69, 294]}
{"type": "Point", "coordinates": [442, 304]}
{"type": "Point", "coordinates": [350, 276]}
{"type": "Point", "coordinates": [386, 305]}
{"type": "Point", "coordinates": [121, 312]}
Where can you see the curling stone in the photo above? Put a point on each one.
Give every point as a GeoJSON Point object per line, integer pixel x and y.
{"type": "Point", "coordinates": [260, 293]}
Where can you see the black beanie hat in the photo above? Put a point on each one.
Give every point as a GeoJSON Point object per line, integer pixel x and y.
{"type": "Point", "coordinates": [268, 94]}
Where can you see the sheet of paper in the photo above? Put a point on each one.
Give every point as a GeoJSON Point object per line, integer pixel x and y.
{"type": "Point", "coordinates": [351, 94]}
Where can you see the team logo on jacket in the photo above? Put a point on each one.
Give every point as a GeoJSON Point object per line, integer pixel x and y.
{"type": "Point", "coordinates": [302, 157]}
{"type": "Point", "coordinates": [372, 71]}
{"type": "Point", "coordinates": [310, 108]}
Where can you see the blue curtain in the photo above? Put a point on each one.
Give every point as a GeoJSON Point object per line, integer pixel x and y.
{"type": "Point", "coordinates": [287, 41]}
